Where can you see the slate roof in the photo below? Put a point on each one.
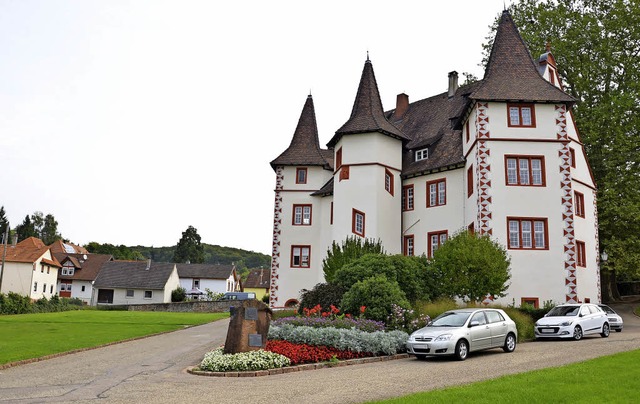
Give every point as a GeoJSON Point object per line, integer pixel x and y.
{"type": "Point", "coordinates": [512, 74]}
{"type": "Point", "coordinates": [258, 279]}
{"type": "Point", "coordinates": [86, 269]}
{"type": "Point", "coordinates": [367, 114]}
{"type": "Point", "coordinates": [134, 275]}
{"type": "Point", "coordinates": [305, 149]}
{"type": "Point", "coordinates": [205, 271]}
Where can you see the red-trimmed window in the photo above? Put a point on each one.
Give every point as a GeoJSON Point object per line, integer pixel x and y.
{"type": "Point", "coordinates": [339, 158]}
{"type": "Point", "coordinates": [578, 203]}
{"type": "Point", "coordinates": [525, 171]}
{"type": "Point", "coordinates": [466, 129]}
{"type": "Point", "coordinates": [301, 215]}
{"type": "Point", "coordinates": [552, 76]}
{"type": "Point", "coordinates": [357, 222]}
{"type": "Point", "coordinates": [572, 155]}
{"type": "Point", "coordinates": [300, 256]}
{"type": "Point", "coordinates": [388, 181]}
{"type": "Point", "coordinates": [581, 254]}
{"type": "Point", "coordinates": [527, 233]}
{"type": "Point", "coordinates": [408, 245]}
{"type": "Point", "coordinates": [436, 193]}
{"type": "Point", "coordinates": [344, 173]}
{"type": "Point", "coordinates": [521, 115]}
{"type": "Point", "coordinates": [407, 197]}
{"type": "Point", "coordinates": [531, 301]}
{"type": "Point", "coordinates": [470, 181]}
{"type": "Point", "coordinates": [435, 240]}
{"type": "Point", "coordinates": [301, 175]}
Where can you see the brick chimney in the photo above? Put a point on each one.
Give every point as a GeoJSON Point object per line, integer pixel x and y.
{"type": "Point", "coordinates": [453, 83]}
{"type": "Point", "coordinates": [402, 105]}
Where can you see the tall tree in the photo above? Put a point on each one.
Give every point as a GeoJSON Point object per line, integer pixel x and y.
{"type": "Point", "coordinates": [26, 229]}
{"type": "Point", "coordinates": [189, 248]}
{"type": "Point", "coordinates": [596, 44]}
{"type": "Point", "coordinates": [49, 232]}
{"type": "Point", "coordinates": [4, 223]}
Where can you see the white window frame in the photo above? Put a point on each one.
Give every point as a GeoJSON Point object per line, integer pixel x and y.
{"type": "Point", "coordinates": [422, 154]}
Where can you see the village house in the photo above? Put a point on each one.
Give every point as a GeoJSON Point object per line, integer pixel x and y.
{"type": "Point", "coordinates": [197, 278]}
{"type": "Point", "coordinates": [501, 156]}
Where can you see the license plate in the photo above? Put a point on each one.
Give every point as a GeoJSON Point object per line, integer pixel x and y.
{"type": "Point", "coordinates": [546, 330]}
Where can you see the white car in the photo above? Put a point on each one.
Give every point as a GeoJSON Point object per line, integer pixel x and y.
{"type": "Point", "coordinates": [615, 321]}
{"type": "Point", "coordinates": [458, 332]}
{"type": "Point", "coordinates": [573, 321]}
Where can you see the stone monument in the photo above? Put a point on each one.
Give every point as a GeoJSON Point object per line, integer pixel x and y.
{"type": "Point", "coordinates": [248, 327]}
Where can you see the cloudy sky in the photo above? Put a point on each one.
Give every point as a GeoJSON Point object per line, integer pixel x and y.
{"type": "Point", "coordinates": [131, 120]}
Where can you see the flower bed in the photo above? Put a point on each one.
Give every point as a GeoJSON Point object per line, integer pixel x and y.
{"type": "Point", "coordinates": [338, 322]}
{"type": "Point", "coordinates": [217, 361]}
{"type": "Point", "coordinates": [304, 353]}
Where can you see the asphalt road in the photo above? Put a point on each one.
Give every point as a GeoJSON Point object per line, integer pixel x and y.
{"type": "Point", "coordinates": [154, 370]}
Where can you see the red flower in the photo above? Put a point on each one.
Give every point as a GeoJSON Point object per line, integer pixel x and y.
{"type": "Point", "coordinates": [303, 353]}
{"type": "Point", "coordinates": [362, 309]}
{"type": "Point", "coordinates": [326, 314]}
{"type": "Point", "coordinates": [348, 315]}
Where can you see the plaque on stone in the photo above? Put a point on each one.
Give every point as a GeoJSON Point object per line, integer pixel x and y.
{"type": "Point", "coordinates": [251, 313]}
{"type": "Point", "coordinates": [255, 340]}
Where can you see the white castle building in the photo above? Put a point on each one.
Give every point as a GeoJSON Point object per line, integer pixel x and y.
{"type": "Point", "coordinates": [501, 156]}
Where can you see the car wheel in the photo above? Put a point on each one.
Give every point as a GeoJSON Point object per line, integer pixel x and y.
{"type": "Point", "coordinates": [509, 343]}
{"type": "Point", "coordinates": [462, 350]}
{"type": "Point", "coordinates": [421, 357]}
{"type": "Point", "coordinates": [605, 330]}
{"type": "Point", "coordinates": [577, 333]}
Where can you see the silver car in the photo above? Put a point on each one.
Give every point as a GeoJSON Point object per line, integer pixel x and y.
{"type": "Point", "coordinates": [615, 321]}
{"type": "Point", "coordinates": [573, 321]}
{"type": "Point", "coordinates": [458, 332]}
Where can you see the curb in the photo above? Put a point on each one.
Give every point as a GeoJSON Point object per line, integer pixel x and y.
{"type": "Point", "coordinates": [297, 368]}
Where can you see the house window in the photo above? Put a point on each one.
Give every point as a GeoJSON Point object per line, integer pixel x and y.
{"type": "Point", "coordinates": [48, 268]}
{"type": "Point", "coordinates": [531, 301]}
{"type": "Point", "coordinates": [339, 158]}
{"type": "Point", "coordinates": [357, 222]}
{"type": "Point", "coordinates": [581, 252]}
{"type": "Point", "coordinates": [83, 288]}
{"type": "Point", "coordinates": [35, 286]}
{"type": "Point", "coordinates": [408, 245]}
{"type": "Point", "coordinates": [331, 215]}
{"type": "Point", "coordinates": [44, 288]}
{"type": "Point", "coordinates": [148, 294]}
{"type": "Point", "coordinates": [572, 155]}
{"type": "Point", "coordinates": [51, 289]}
{"type": "Point", "coordinates": [41, 268]}
{"type": "Point", "coordinates": [527, 233]}
{"type": "Point", "coordinates": [344, 173]}
{"type": "Point", "coordinates": [301, 215]}
{"type": "Point", "coordinates": [436, 193]}
{"type": "Point", "coordinates": [578, 203]}
{"type": "Point", "coordinates": [466, 129]}
{"type": "Point", "coordinates": [407, 197]}
{"type": "Point", "coordinates": [388, 181]}
{"type": "Point", "coordinates": [300, 256]}
{"type": "Point", "coordinates": [552, 76]}
{"type": "Point", "coordinates": [68, 269]}
{"type": "Point", "coordinates": [435, 240]}
{"type": "Point", "coordinates": [522, 115]}
{"type": "Point", "coordinates": [525, 170]}
{"type": "Point", "coordinates": [301, 175]}
{"type": "Point", "coordinates": [130, 292]}
{"type": "Point", "coordinates": [196, 284]}
{"type": "Point", "coordinates": [470, 181]}
{"type": "Point", "coordinates": [422, 154]}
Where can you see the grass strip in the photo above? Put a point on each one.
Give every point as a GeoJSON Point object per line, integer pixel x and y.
{"type": "Point", "coordinates": [607, 379]}
{"type": "Point", "coordinates": [27, 336]}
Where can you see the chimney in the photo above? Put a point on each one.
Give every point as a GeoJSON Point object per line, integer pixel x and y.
{"type": "Point", "coordinates": [453, 83]}
{"type": "Point", "coordinates": [148, 265]}
{"type": "Point", "coordinates": [402, 105]}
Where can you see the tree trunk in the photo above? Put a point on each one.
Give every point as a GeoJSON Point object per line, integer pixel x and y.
{"type": "Point", "coordinates": [609, 287]}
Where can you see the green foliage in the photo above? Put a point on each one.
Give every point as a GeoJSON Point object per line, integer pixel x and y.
{"type": "Point", "coordinates": [324, 294]}
{"type": "Point", "coordinates": [189, 248]}
{"type": "Point", "coordinates": [596, 44]}
{"type": "Point", "coordinates": [471, 267]}
{"type": "Point", "coordinates": [40, 226]}
{"type": "Point", "coordinates": [524, 323]}
{"type": "Point", "coordinates": [49, 231]}
{"type": "Point", "coordinates": [26, 229]}
{"type": "Point", "coordinates": [412, 274]}
{"type": "Point", "coordinates": [213, 296]}
{"type": "Point", "coordinates": [120, 252]}
{"type": "Point", "coordinates": [351, 249]}
{"type": "Point", "coordinates": [435, 308]}
{"type": "Point", "coordinates": [179, 294]}
{"type": "Point", "coordinates": [218, 361]}
{"type": "Point", "coordinates": [13, 303]}
{"type": "Point", "coordinates": [377, 294]}
{"type": "Point", "coordinates": [4, 223]}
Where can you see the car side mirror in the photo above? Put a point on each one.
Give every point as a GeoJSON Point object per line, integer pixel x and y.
{"type": "Point", "coordinates": [474, 323]}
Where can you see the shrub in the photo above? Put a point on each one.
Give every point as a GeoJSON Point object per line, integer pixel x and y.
{"type": "Point", "coordinates": [524, 323]}
{"type": "Point", "coordinates": [351, 249]}
{"type": "Point", "coordinates": [304, 353]}
{"type": "Point", "coordinates": [14, 303]}
{"type": "Point", "coordinates": [217, 361]}
{"type": "Point", "coordinates": [434, 309]}
{"type": "Point", "coordinates": [377, 294]}
{"type": "Point", "coordinates": [344, 322]}
{"type": "Point", "coordinates": [283, 313]}
{"type": "Point", "coordinates": [179, 294]}
{"type": "Point", "coordinates": [323, 294]}
{"type": "Point", "coordinates": [406, 320]}
{"type": "Point", "coordinates": [378, 342]}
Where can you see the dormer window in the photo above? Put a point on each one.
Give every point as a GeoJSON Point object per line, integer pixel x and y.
{"type": "Point", "coordinates": [422, 154]}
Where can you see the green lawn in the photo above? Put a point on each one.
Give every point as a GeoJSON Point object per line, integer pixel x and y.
{"type": "Point", "coordinates": [607, 379]}
{"type": "Point", "coordinates": [26, 336]}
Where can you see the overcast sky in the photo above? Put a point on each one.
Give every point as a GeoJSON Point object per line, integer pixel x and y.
{"type": "Point", "coordinates": [131, 120]}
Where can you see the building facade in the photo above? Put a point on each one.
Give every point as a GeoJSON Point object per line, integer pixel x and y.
{"type": "Point", "coordinates": [501, 157]}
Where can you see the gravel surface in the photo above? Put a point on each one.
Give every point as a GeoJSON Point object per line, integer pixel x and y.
{"type": "Point", "coordinates": [154, 369]}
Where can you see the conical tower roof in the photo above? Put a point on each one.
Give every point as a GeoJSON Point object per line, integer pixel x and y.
{"type": "Point", "coordinates": [367, 114]}
{"type": "Point", "coordinates": [512, 74]}
{"type": "Point", "coordinates": [305, 148]}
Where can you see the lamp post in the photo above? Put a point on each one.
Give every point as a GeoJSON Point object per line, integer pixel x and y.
{"type": "Point", "coordinates": [604, 256]}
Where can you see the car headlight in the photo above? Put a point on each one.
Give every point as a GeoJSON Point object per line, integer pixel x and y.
{"type": "Point", "coordinates": [566, 323]}
{"type": "Point", "coordinates": [444, 337]}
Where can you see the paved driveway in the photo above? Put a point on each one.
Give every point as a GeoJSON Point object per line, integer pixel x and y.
{"type": "Point", "coordinates": [153, 370]}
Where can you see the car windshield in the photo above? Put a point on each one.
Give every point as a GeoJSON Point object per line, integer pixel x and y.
{"type": "Point", "coordinates": [564, 311]}
{"type": "Point", "coordinates": [450, 319]}
{"type": "Point", "coordinates": [608, 309]}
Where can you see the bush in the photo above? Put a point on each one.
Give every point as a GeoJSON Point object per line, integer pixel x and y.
{"type": "Point", "coordinates": [434, 309]}
{"type": "Point", "coordinates": [524, 323]}
{"type": "Point", "coordinates": [179, 294]}
{"type": "Point", "coordinates": [377, 294]}
{"type": "Point", "coordinates": [13, 303]}
{"type": "Point", "coordinates": [217, 361]}
{"type": "Point", "coordinates": [338, 322]}
{"type": "Point", "coordinates": [323, 294]}
{"type": "Point", "coordinates": [406, 320]}
{"type": "Point", "coordinates": [536, 314]}
{"type": "Point", "coordinates": [351, 249]}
